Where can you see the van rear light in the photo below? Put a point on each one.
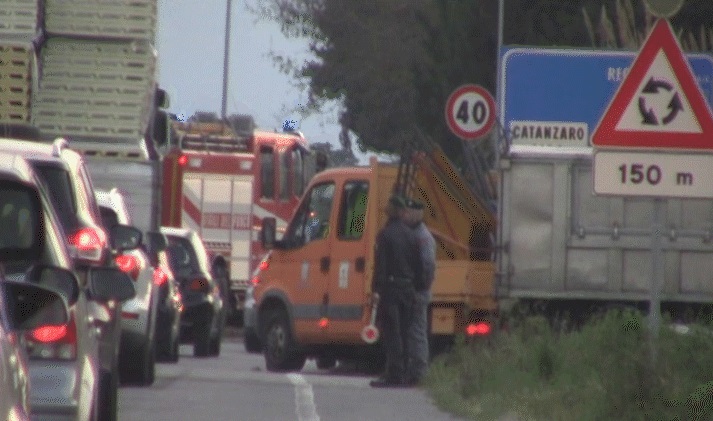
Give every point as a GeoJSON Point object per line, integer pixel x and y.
{"type": "Point", "coordinates": [53, 342]}
{"type": "Point", "coordinates": [478, 329]}
{"type": "Point", "coordinates": [159, 277]}
{"type": "Point", "coordinates": [90, 243]}
{"type": "Point", "coordinates": [128, 264]}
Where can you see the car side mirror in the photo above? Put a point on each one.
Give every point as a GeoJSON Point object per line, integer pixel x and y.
{"type": "Point", "coordinates": [155, 243]}
{"type": "Point", "coordinates": [31, 306]}
{"type": "Point", "coordinates": [55, 278]}
{"type": "Point", "coordinates": [107, 283]}
{"type": "Point", "coordinates": [267, 233]}
{"type": "Point", "coordinates": [124, 237]}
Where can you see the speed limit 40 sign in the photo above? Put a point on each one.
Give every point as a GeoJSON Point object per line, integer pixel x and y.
{"type": "Point", "coordinates": [470, 111]}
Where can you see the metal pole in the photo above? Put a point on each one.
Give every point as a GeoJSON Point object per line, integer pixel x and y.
{"type": "Point", "coordinates": [225, 60]}
{"type": "Point", "coordinates": [501, 21]}
{"type": "Point", "coordinates": [658, 275]}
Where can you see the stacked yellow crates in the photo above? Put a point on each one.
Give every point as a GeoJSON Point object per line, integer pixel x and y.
{"type": "Point", "coordinates": [97, 72]}
{"type": "Point", "coordinates": [19, 29]}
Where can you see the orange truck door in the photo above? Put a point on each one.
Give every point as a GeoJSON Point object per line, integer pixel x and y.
{"type": "Point", "coordinates": [306, 261]}
{"type": "Point", "coordinates": [347, 296]}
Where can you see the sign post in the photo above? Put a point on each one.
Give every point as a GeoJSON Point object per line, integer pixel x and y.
{"type": "Point", "coordinates": [657, 128]}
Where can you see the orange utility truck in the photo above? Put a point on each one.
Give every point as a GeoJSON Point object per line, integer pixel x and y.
{"type": "Point", "coordinates": [311, 296]}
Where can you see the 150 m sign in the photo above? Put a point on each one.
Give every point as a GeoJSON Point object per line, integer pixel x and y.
{"type": "Point", "coordinates": [470, 112]}
{"type": "Point", "coordinates": [653, 174]}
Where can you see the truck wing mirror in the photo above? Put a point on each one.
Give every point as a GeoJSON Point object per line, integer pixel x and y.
{"type": "Point", "coordinates": [31, 306]}
{"type": "Point", "coordinates": [107, 283]}
{"type": "Point", "coordinates": [267, 233]}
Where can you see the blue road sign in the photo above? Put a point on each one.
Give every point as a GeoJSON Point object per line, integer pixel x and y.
{"type": "Point", "coordinates": [557, 96]}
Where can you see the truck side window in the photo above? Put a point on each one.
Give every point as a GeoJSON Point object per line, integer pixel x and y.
{"type": "Point", "coordinates": [311, 221]}
{"type": "Point", "coordinates": [284, 176]}
{"type": "Point", "coordinates": [267, 172]}
{"type": "Point", "coordinates": [352, 212]}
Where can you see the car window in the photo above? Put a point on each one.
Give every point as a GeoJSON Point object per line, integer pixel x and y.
{"type": "Point", "coordinates": [20, 223]}
{"type": "Point", "coordinates": [59, 186]}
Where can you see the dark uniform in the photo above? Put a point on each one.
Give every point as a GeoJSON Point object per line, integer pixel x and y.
{"type": "Point", "coordinates": [396, 278]}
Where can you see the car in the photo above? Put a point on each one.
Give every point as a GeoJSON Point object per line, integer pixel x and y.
{"type": "Point", "coordinates": [170, 304]}
{"type": "Point", "coordinates": [137, 348]}
{"type": "Point", "coordinates": [65, 176]}
{"type": "Point", "coordinates": [204, 312]}
{"type": "Point", "coordinates": [63, 360]}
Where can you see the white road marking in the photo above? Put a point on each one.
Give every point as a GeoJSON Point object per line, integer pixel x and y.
{"type": "Point", "coordinates": [304, 398]}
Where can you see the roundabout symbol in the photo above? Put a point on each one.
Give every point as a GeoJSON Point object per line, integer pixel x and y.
{"type": "Point", "coordinates": [649, 115]}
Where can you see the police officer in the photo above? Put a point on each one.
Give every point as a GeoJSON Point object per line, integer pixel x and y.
{"type": "Point", "coordinates": [397, 267]}
{"type": "Point", "coordinates": [418, 330]}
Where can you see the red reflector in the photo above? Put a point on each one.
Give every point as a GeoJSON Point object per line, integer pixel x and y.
{"type": "Point", "coordinates": [323, 323]}
{"type": "Point", "coordinates": [127, 315]}
{"type": "Point", "coordinates": [264, 265]}
{"type": "Point", "coordinates": [198, 284]}
{"type": "Point", "coordinates": [255, 281]}
{"type": "Point", "coordinates": [47, 334]}
{"type": "Point", "coordinates": [182, 160]}
{"type": "Point", "coordinates": [159, 277]}
{"type": "Point", "coordinates": [480, 328]}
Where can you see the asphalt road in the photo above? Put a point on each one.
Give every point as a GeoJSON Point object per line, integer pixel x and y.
{"type": "Point", "coordinates": [236, 386]}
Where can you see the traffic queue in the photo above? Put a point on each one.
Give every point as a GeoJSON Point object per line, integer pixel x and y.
{"type": "Point", "coordinates": [88, 301]}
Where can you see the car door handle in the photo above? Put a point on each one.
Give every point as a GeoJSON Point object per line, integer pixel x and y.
{"type": "Point", "coordinates": [324, 263]}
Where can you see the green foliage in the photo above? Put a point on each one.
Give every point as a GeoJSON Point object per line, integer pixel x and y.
{"type": "Point", "coordinates": [604, 371]}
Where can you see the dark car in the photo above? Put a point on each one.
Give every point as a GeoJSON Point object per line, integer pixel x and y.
{"type": "Point", "coordinates": [170, 304]}
{"type": "Point", "coordinates": [63, 360]}
{"type": "Point", "coordinates": [64, 174]}
{"type": "Point", "coordinates": [204, 313]}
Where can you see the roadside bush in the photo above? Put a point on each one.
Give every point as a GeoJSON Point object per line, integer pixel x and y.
{"type": "Point", "coordinates": [607, 370]}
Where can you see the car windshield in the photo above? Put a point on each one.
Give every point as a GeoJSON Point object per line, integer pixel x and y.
{"type": "Point", "coordinates": [61, 193]}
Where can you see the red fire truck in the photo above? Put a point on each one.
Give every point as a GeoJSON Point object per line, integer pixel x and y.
{"type": "Point", "coordinates": [220, 178]}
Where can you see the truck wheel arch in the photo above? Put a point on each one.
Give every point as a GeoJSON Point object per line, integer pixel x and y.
{"type": "Point", "coordinates": [271, 300]}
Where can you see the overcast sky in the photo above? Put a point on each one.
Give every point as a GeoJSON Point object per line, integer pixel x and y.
{"type": "Point", "coordinates": [190, 43]}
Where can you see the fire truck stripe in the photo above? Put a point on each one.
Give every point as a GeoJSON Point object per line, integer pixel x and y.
{"type": "Point", "coordinates": [192, 210]}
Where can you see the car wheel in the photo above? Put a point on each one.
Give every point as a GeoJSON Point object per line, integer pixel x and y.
{"type": "Point", "coordinates": [141, 373]}
{"type": "Point", "coordinates": [201, 336]}
{"type": "Point", "coordinates": [281, 353]}
{"type": "Point", "coordinates": [107, 396]}
{"type": "Point", "coordinates": [252, 342]}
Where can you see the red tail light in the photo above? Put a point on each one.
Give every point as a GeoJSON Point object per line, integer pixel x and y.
{"type": "Point", "coordinates": [90, 243]}
{"type": "Point", "coordinates": [128, 264]}
{"type": "Point", "coordinates": [255, 280]}
{"type": "Point", "coordinates": [182, 160]}
{"type": "Point", "coordinates": [53, 342]}
{"type": "Point", "coordinates": [264, 265]}
{"type": "Point", "coordinates": [159, 277]}
{"type": "Point", "coordinates": [199, 284]}
{"type": "Point", "coordinates": [478, 329]}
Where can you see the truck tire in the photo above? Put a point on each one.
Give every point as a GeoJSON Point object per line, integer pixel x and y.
{"type": "Point", "coordinates": [201, 335]}
{"type": "Point", "coordinates": [281, 353]}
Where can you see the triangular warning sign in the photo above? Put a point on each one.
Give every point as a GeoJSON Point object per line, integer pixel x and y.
{"type": "Point", "coordinates": [659, 104]}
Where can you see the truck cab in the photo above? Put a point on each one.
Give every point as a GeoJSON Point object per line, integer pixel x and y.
{"type": "Point", "coordinates": [311, 295]}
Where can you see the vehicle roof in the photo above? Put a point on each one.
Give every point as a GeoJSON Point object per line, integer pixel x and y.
{"type": "Point", "coordinates": [39, 151]}
{"type": "Point", "coordinates": [177, 232]}
{"type": "Point", "coordinates": [17, 165]}
{"type": "Point", "coordinates": [113, 199]}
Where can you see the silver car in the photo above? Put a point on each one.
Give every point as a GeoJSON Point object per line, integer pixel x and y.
{"type": "Point", "coordinates": [137, 351]}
